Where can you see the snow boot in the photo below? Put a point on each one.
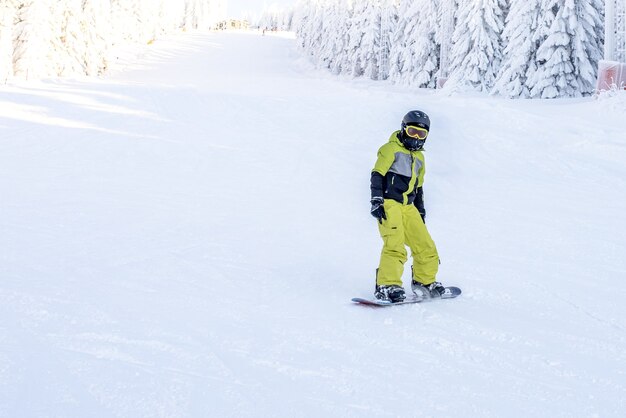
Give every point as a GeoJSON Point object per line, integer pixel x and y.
{"type": "Point", "coordinates": [433, 290]}
{"type": "Point", "coordinates": [392, 293]}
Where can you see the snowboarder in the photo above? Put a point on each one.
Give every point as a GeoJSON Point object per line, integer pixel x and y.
{"type": "Point", "coordinates": [398, 204]}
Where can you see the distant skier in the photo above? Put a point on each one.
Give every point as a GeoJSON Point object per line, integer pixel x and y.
{"type": "Point", "coordinates": [398, 204]}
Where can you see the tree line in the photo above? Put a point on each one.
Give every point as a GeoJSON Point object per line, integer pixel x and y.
{"type": "Point", "coordinates": [44, 38]}
{"type": "Point", "coordinates": [512, 48]}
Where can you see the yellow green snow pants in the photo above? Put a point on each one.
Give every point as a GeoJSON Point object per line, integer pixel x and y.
{"type": "Point", "coordinates": [404, 227]}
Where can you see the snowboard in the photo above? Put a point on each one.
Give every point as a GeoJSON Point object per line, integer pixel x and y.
{"type": "Point", "coordinates": [454, 292]}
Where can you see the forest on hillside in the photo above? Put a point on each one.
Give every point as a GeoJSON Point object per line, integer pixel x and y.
{"type": "Point", "coordinates": [512, 48]}
{"type": "Point", "coordinates": [44, 38]}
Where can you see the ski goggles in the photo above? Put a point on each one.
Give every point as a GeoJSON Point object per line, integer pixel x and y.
{"type": "Point", "coordinates": [416, 132]}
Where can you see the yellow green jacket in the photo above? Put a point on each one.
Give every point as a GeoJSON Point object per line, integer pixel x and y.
{"type": "Point", "coordinates": [398, 173]}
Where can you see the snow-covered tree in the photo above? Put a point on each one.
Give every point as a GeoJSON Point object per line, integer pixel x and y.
{"type": "Point", "coordinates": [477, 53]}
{"type": "Point", "coordinates": [520, 50]}
{"type": "Point", "coordinates": [41, 38]}
{"type": "Point", "coordinates": [368, 54]}
{"type": "Point", "coordinates": [586, 46]}
{"type": "Point", "coordinates": [95, 24]}
{"type": "Point", "coordinates": [423, 51]}
{"type": "Point", "coordinates": [331, 43]}
{"type": "Point", "coordinates": [344, 63]}
{"type": "Point", "coordinates": [547, 48]}
{"type": "Point", "coordinates": [558, 75]}
{"type": "Point", "coordinates": [74, 48]}
{"type": "Point", "coordinates": [7, 14]}
{"type": "Point", "coordinates": [315, 30]}
{"type": "Point", "coordinates": [404, 66]}
{"type": "Point", "coordinates": [32, 39]}
{"type": "Point", "coordinates": [356, 33]}
{"type": "Point", "coordinates": [461, 42]}
{"type": "Point", "coordinates": [536, 76]}
{"type": "Point", "coordinates": [399, 54]}
{"type": "Point", "coordinates": [309, 27]}
{"type": "Point", "coordinates": [202, 14]}
{"type": "Point", "coordinates": [427, 51]}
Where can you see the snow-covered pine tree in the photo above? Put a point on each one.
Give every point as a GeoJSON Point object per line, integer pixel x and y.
{"type": "Point", "coordinates": [286, 19]}
{"type": "Point", "coordinates": [342, 23]}
{"type": "Point", "coordinates": [402, 67]}
{"type": "Point", "coordinates": [307, 20]}
{"type": "Point", "coordinates": [520, 49]}
{"type": "Point", "coordinates": [399, 54]}
{"type": "Point", "coordinates": [461, 43]}
{"type": "Point", "coordinates": [328, 26]}
{"type": "Point", "coordinates": [587, 50]}
{"type": "Point", "coordinates": [356, 34]}
{"type": "Point", "coordinates": [599, 6]}
{"type": "Point", "coordinates": [303, 24]}
{"type": "Point", "coordinates": [478, 47]}
{"type": "Point", "coordinates": [331, 41]}
{"type": "Point", "coordinates": [557, 77]}
{"type": "Point", "coordinates": [425, 54]}
{"type": "Point", "coordinates": [535, 76]}
{"type": "Point", "coordinates": [315, 27]}
{"type": "Point", "coordinates": [369, 51]}
{"type": "Point", "coordinates": [268, 20]}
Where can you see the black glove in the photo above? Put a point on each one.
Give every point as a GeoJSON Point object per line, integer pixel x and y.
{"type": "Point", "coordinates": [378, 210]}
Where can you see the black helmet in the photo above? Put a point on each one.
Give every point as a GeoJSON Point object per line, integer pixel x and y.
{"type": "Point", "coordinates": [414, 118]}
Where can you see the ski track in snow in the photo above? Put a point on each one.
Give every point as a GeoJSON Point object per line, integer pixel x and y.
{"type": "Point", "coordinates": [183, 238]}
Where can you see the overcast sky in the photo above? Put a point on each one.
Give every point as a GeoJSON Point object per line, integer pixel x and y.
{"type": "Point", "coordinates": [237, 8]}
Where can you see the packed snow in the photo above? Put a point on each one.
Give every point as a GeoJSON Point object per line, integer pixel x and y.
{"type": "Point", "coordinates": [183, 238]}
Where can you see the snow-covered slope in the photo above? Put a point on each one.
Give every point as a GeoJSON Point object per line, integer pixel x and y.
{"type": "Point", "coordinates": [184, 237]}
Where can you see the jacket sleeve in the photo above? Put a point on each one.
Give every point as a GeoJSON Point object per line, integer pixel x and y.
{"type": "Point", "coordinates": [419, 192]}
{"type": "Point", "coordinates": [376, 185]}
{"type": "Point", "coordinates": [383, 163]}
{"type": "Point", "coordinates": [419, 202]}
